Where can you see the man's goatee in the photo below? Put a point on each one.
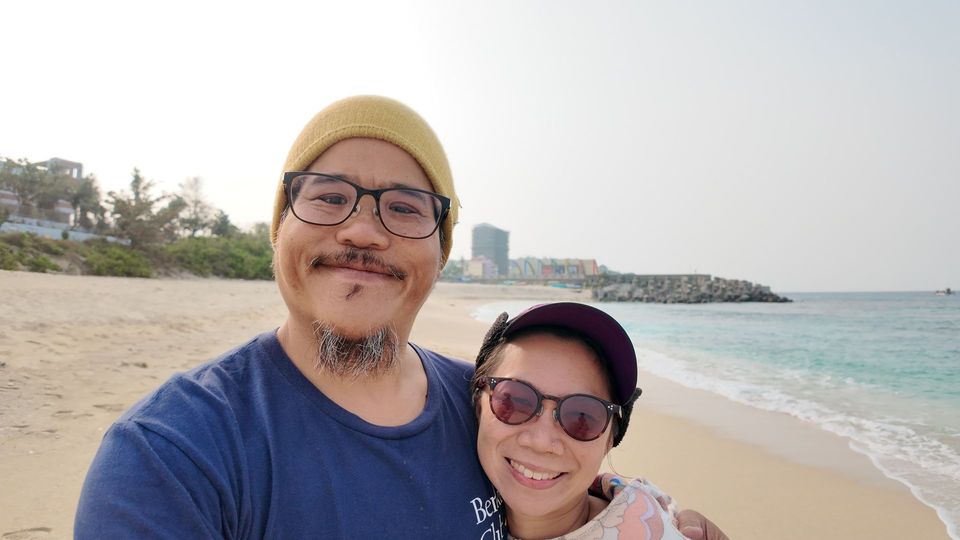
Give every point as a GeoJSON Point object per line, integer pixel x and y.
{"type": "Point", "coordinates": [368, 356]}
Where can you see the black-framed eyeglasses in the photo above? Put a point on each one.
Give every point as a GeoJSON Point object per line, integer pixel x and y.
{"type": "Point", "coordinates": [323, 199]}
{"type": "Point", "coordinates": [582, 416]}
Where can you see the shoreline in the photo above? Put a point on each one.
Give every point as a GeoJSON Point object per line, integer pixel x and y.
{"type": "Point", "coordinates": [758, 474]}
{"type": "Point", "coordinates": [78, 350]}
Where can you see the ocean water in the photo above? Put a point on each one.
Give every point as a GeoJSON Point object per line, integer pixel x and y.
{"type": "Point", "coordinates": [880, 369]}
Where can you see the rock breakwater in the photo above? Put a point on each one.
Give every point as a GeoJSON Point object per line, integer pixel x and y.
{"type": "Point", "coordinates": [678, 289]}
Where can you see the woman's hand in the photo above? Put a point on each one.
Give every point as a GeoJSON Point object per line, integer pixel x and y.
{"type": "Point", "coordinates": [695, 526]}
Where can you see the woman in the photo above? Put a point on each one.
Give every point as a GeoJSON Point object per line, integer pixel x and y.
{"type": "Point", "coordinates": [553, 390]}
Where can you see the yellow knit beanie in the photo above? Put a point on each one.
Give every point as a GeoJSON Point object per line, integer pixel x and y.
{"type": "Point", "coordinates": [373, 117]}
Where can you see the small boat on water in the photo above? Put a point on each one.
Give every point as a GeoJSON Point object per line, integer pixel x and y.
{"type": "Point", "coordinates": [944, 292]}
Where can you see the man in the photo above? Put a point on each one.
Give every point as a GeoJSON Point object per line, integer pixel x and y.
{"type": "Point", "coordinates": [334, 425]}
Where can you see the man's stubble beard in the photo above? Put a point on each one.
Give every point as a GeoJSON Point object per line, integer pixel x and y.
{"type": "Point", "coordinates": [369, 356]}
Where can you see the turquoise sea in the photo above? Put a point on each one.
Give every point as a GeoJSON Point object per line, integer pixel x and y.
{"type": "Point", "coordinates": [880, 369]}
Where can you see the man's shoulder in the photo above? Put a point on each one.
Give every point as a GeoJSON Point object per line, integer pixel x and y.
{"type": "Point", "coordinates": [446, 365]}
{"type": "Point", "coordinates": [170, 462]}
{"type": "Point", "coordinates": [211, 388]}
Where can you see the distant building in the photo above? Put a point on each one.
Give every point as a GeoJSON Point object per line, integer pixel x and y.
{"type": "Point", "coordinates": [494, 244]}
{"type": "Point", "coordinates": [550, 268]}
{"type": "Point", "coordinates": [52, 221]}
{"type": "Point", "coordinates": [64, 167]}
{"type": "Point", "coordinates": [61, 211]}
{"type": "Point", "coordinates": [9, 199]}
{"type": "Point", "coordinates": [481, 267]}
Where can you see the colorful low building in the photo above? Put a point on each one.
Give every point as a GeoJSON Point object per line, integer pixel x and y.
{"type": "Point", "coordinates": [540, 268]}
{"type": "Point", "coordinates": [481, 267]}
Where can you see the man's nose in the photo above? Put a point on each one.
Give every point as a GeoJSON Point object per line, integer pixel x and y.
{"type": "Point", "coordinates": [363, 228]}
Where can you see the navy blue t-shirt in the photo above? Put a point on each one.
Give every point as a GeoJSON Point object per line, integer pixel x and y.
{"type": "Point", "coordinates": [246, 447]}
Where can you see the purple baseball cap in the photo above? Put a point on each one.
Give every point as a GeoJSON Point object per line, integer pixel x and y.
{"type": "Point", "coordinates": [615, 346]}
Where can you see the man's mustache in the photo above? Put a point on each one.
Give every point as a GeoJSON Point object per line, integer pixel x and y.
{"type": "Point", "coordinates": [358, 259]}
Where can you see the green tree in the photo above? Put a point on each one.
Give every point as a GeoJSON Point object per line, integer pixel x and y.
{"type": "Point", "coordinates": [23, 179]}
{"type": "Point", "coordinates": [52, 187]}
{"type": "Point", "coordinates": [261, 231]}
{"type": "Point", "coordinates": [88, 211]}
{"type": "Point", "coordinates": [197, 214]}
{"type": "Point", "coordinates": [221, 226]}
{"type": "Point", "coordinates": [143, 218]}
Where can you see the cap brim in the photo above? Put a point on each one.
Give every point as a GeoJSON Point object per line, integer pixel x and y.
{"type": "Point", "coordinates": [601, 328]}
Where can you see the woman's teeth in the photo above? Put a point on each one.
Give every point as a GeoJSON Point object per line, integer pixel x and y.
{"type": "Point", "coordinates": [533, 475]}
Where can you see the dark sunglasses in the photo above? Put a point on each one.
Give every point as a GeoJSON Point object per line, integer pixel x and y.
{"type": "Point", "coordinates": [582, 416]}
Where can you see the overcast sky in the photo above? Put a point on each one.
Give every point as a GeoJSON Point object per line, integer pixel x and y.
{"type": "Point", "coordinates": [809, 146]}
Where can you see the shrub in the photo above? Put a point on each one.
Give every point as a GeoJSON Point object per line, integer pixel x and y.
{"type": "Point", "coordinates": [41, 263]}
{"type": "Point", "coordinates": [242, 256]}
{"type": "Point", "coordinates": [105, 259]}
{"type": "Point", "coordinates": [196, 255]}
{"type": "Point", "coordinates": [15, 239]}
{"type": "Point", "coordinates": [8, 258]}
{"type": "Point", "coordinates": [29, 251]}
{"type": "Point", "coordinates": [30, 241]}
{"type": "Point", "coordinates": [48, 245]}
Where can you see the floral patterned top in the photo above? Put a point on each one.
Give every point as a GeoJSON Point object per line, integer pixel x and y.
{"type": "Point", "coordinates": [638, 510]}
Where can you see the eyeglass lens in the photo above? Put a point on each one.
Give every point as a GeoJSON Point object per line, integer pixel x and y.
{"type": "Point", "coordinates": [325, 200]}
{"type": "Point", "coordinates": [582, 417]}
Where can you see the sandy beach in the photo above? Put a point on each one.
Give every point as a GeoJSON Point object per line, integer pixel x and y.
{"type": "Point", "coordinates": [76, 351]}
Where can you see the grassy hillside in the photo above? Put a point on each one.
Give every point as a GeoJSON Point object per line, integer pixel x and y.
{"type": "Point", "coordinates": [241, 255]}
